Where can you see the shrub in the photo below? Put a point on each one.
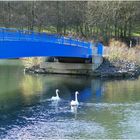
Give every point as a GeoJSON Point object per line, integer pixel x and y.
{"type": "Point", "coordinates": [119, 51]}
{"type": "Point", "coordinates": [32, 61]}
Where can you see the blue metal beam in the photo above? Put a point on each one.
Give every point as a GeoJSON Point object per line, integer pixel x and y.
{"type": "Point", "coordinates": [16, 49]}
{"type": "Point", "coordinates": [16, 43]}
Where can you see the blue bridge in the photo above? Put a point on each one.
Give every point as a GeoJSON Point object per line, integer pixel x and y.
{"type": "Point", "coordinates": [23, 43]}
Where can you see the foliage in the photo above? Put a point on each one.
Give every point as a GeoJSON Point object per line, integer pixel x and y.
{"type": "Point", "coordinates": [32, 61]}
{"type": "Point", "coordinates": [86, 18]}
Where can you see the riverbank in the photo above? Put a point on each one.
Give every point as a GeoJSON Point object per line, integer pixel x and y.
{"type": "Point", "coordinates": [119, 61]}
{"type": "Point", "coordinates": [108, 69]}
{"type": "Point", "coordinates": [118, 68]}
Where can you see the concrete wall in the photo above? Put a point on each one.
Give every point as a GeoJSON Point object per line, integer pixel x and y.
{"type": "Point", "coordinates": [74, 68]}
{"type": "Point", "coordinates": [67, 68]}
{"type": "Point", "coordinates": [97, 60]}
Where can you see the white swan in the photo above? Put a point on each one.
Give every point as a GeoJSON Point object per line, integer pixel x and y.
{"type": "Point", "coordinates": [75, 103]}
{"type": "Point", "coordinates": [56, 98]}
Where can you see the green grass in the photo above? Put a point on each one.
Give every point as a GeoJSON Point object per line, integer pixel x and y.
{"type": "Point", "coordinates": [136, 31]}
{"type": "Point", "coordinates": [136, 34]}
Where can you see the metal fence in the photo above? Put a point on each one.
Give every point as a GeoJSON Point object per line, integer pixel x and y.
{"type": "Point", "coordinates": [21, 35]}
{"type": "Point", "coordinates": [29, 43]}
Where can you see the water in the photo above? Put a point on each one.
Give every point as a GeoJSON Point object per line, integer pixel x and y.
{"type": "Point", "coordinates": [108, 109]}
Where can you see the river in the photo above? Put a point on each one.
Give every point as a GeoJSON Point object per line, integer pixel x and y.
{"type": "Point", "coordinates": [108, 108]}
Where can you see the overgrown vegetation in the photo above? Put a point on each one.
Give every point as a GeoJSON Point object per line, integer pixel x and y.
{"type": "Point", "coordinates": [32, 61]}
{"type": "Point", "coordinates": [120, 51]}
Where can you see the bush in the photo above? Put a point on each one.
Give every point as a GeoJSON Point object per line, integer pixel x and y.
{"type": "Point", "coordinates": [119, 51]}
{"type": "Point", "coordinates": [32, 61]}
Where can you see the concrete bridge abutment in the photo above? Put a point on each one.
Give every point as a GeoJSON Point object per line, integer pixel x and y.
{"type": "Point", "coordinates": [74, 68]}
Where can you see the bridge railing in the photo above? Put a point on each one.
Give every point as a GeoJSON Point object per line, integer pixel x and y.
{"type": "Point", "coordinates": [20, 35]}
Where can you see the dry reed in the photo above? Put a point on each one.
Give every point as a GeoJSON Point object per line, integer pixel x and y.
{"type": "Point", "coordinates": [120, 51]}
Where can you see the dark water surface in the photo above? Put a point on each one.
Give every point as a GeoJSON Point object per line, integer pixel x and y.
{"type": "Point", "coordinates": [108, 109]}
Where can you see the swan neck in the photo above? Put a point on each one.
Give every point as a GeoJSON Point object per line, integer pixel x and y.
{"type": "Point", "coordinates": [76, 98]}
{"type": "Point", "coordinates": [57, 94]}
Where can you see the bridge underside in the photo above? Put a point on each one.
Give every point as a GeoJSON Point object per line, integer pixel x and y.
{"type": "Point", "coordinates": [19, 49]}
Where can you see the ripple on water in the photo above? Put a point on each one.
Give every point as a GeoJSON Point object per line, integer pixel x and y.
{"type": "Point", "coordinates": [65, 129]}
{"type": "Point", "coordinates": [130, 124]}
{"type": "Point", "coordinates": [104, 105]}
{"type": "Point", "coordinates": [29, 113]}
{"type": "Point", "coordinates": [49, 121]}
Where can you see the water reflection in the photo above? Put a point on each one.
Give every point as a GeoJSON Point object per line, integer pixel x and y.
{"type": "Point", "coordinates": [74, 111]}
{"type": "Point", "coordinates": [108, 109]}
{"type": "Point", "coordinates": [31, 88]}
{"type": "Point", "coordinates": [55, 105]}
{"type": "Point", "coordinates": [69, 84]}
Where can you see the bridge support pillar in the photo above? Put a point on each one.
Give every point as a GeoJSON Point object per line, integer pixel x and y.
{"type": "Point", "coordinates": [97, 57]}
{"type": "Point", "coordinates": [97, 60]}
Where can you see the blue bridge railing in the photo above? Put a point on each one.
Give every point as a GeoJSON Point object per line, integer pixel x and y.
{"type": "Point", "coordinates": [22, 35]}
{"type": "Point", "coordinates": [16, 43]}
